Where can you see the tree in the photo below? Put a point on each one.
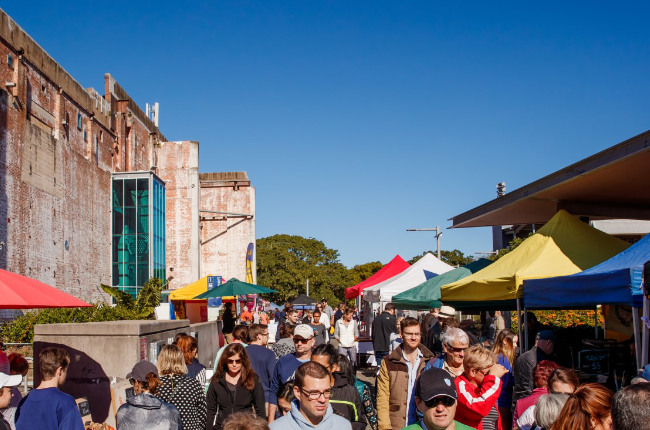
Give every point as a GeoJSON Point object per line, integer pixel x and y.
{"type": "Point", "coordinates": [514, 243]}
{"type": "Point", "coordinates": [361, 272]}
{"type": "Point", "coordinates": [285, 262]}
{"type": "Point", "coordinates": [455, 258]}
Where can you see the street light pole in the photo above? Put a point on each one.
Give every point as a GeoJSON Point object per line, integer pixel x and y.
{"type": "Point", "coordinates": [438, 234]}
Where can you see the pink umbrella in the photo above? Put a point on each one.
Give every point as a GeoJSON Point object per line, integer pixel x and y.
{"type": "Point", "coordinates": [21, 292]}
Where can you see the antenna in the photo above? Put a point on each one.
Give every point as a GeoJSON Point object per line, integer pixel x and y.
{"type": "Point", "coordinates": [153, 111]}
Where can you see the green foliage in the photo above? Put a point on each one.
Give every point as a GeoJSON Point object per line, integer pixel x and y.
{"type": "Point", "coordinates": [22, 328]}
{"type": "Point", "coordinates": [454, 258]}
{"type": "Point", "coordinates": [514, 243]}
{"type": "Point", "coordinates": [285, 262]}
{"type": "Point", "coordinates": [361, 272]}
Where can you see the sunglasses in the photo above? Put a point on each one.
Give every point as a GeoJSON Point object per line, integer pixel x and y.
{"type": "Point", "coordinates": [445, 400]}
{"type": "Point", "coordinates": [451, 348]}
{"type": "Point", "coordinates": [300, 340]}
{"type": "Point", "coordinates": [234, 361]}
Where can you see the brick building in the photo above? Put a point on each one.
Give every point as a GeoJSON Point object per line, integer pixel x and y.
{"type": "Point", "coordinates": [92, 192]}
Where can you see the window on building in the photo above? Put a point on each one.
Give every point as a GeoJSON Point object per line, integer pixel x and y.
{"type": "Point", "coordinates": [79, 120]}
{"type": "Point", "coordinates": [138, 230]}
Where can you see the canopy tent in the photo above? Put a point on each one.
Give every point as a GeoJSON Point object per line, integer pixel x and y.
{"type": "Point", "coordinates": [427, 294]}
{"type": "Point", "coordinates": [21, 292]}
{"type": "Point", "coordinates": [565, 245]}
{"type": "Point", "coordinates": [303, 301]}
{"type": "Point", "coordinates": [396, 266]}
{"type": "Point", "coordinates": [188, 292]}
{"type": "Point", "coordinates": [425, 268]}
{"type": "Point", "coordinates": [615, 281]}
{"type": "Point", "coordinates": [234, 287]}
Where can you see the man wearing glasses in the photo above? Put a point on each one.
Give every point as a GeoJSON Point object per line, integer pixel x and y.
{"type": "Point", "coordinates": [435, 397]}
{"type": "Point", "coordinates": [311, 409]}
{"type": "Point", "coordinates": [397, 376]}
{"type": "Point", "coordinates": [454, 342]}
{"type": "Point", "coordinates": [262, 358]}
{"type": "Point", "coordinates": [303, 339]}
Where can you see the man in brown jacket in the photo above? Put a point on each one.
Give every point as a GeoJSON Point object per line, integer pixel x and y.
{"type": "Point", "coordinates": [397, 377]}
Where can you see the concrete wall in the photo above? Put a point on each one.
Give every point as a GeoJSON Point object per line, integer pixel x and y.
{"type": "Point", "coordinates": [210, 340]}
{"type": "Point", "coordinates": [102, 351]}
{"type": "Point", "coordinates": [224, 237]}
{"type": "Point", "coordinates": [178, 166]}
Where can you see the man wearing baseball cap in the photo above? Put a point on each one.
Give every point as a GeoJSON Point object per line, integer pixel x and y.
{"type": "Point", "coordinates": [285, 368]}
{"type": "Point", "coordinates": [435, 397]}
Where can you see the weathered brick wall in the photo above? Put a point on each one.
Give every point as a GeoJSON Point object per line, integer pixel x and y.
{"type": "Point", "coordinates": [55, 172]}
{"type": "Point", "coordinates": [224, 239]}
{"type": "Point", "coordinates": [178, 166]}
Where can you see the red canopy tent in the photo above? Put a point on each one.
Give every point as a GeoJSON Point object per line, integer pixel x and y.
{"type": "Point", "coordinates": [21, 292]}
{"type": "Point", "coordinates": [396, 266]}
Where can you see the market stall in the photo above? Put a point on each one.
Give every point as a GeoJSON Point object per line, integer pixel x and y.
{"type": "Point", "coordinates": [425, 268]}
{"type": "Point", "coordinates": [427, 295]}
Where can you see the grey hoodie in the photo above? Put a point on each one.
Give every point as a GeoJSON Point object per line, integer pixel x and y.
{"type": "Point", "coordinates": [296, 421]}
{"type": "Point", "coordinates": [146, 411]}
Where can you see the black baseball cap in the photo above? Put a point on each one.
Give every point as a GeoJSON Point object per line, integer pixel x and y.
{"type": "Point", "coordinates": [140, 371]}
{"type": "Point", "coordinates": [434, 383]}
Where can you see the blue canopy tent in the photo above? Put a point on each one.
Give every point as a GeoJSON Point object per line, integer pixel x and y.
{"type": "Point", "coordinates": [618, 280]}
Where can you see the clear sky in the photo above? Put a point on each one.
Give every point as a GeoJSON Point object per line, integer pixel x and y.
{"type": "Point", "coordinates": [356, 120]}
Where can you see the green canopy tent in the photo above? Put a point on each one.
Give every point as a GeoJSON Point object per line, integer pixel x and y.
{"type": "Point", "coordinates": [427, 294]}
{"type": "Point", "coordinates": [234, 287]}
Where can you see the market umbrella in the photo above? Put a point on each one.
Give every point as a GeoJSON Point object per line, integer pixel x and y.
{"type": "Point", "coordinates": [303, 301]}
{"type": "Point", "coordinates": [21, 292]}
{"type": "Point", "coordinates": [234, 287]}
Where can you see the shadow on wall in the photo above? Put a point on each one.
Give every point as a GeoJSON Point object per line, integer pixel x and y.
{"type": "Point", "coordinates": [86, 378]}
{"type": "Point", "coordinates": [4, 109]}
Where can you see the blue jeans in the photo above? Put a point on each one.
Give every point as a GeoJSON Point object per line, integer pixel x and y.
{"type": "Point", "coordinates": [379, 355]}
{"type": "Point", "coordinates": [351, 353]}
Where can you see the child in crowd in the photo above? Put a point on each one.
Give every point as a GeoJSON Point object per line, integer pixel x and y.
{"type": "Point", "coordinates": [7, 382]}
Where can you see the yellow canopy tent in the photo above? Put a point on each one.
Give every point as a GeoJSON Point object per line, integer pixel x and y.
{"type": "Point", "coordinates": [192, 290]}
{"type": "Point", "coordinates": [565, 245]}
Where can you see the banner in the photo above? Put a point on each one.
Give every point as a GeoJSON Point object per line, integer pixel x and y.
{"type": "Point", "coordinates": [214, 282]}
{"type": "Point", "coordinates": [249, 263]}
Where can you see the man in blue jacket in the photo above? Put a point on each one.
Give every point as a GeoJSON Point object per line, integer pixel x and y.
{"type": "Point", "coordinates": [303, 339]}
{"type": "Point", "coordinates": [262, 358]}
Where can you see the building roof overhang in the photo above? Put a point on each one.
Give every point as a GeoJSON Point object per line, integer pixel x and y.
{"type": "Point", "coordinates": [614, 183]}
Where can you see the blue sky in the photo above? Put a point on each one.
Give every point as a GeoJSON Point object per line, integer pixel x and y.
{"type": "Point", "coordinates": [358, 120]}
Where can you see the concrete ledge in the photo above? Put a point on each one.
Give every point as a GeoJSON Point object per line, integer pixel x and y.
{"type": "Point", "coordinates": [111, 328]}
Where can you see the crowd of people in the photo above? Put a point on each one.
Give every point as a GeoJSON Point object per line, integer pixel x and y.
{"type": "Point", "coordinates": [432, 373]}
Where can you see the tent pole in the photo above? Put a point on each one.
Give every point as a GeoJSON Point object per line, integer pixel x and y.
{"type": "Point", "coordinates": [521, 343]}
{"type": "Point", "coordinates": [637, 337]}
{"type": "Point", "coordinates": [526, 327]}
{"type": "Point", "coordinates": [644, 343]}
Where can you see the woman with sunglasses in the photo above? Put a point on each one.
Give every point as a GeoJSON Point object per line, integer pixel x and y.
{"type": "Point", "coordinates": [478, 388]}
{"type": "Point", "coordinates": [505, 347]}
{"type": "Point", "coordinates": [234, 388]}
{"type": "Point", "coordinates": [145, 410]}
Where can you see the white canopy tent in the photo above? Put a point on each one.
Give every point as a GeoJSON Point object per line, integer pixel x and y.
{"type": "Point", "coordinates": [425, 268]}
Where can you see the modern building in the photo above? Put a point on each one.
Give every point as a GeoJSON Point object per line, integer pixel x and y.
{"type": "Point", "coordinates": [92, 192]}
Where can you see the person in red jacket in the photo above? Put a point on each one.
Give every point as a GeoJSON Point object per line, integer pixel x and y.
{"type": "Point", "coordinates": [478, 388]}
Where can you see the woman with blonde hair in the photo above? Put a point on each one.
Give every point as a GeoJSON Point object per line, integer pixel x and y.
{"type": "Point", "coordinates": [234, 388]}
{"type": "Point", "coordinates": [588, 408]}
{"type": "Point", "coordinates": [478, 389]}
{"type": "Point", "coordinates": [180, 390]}
{"type": "Point", "coordinates": [504, 347]}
